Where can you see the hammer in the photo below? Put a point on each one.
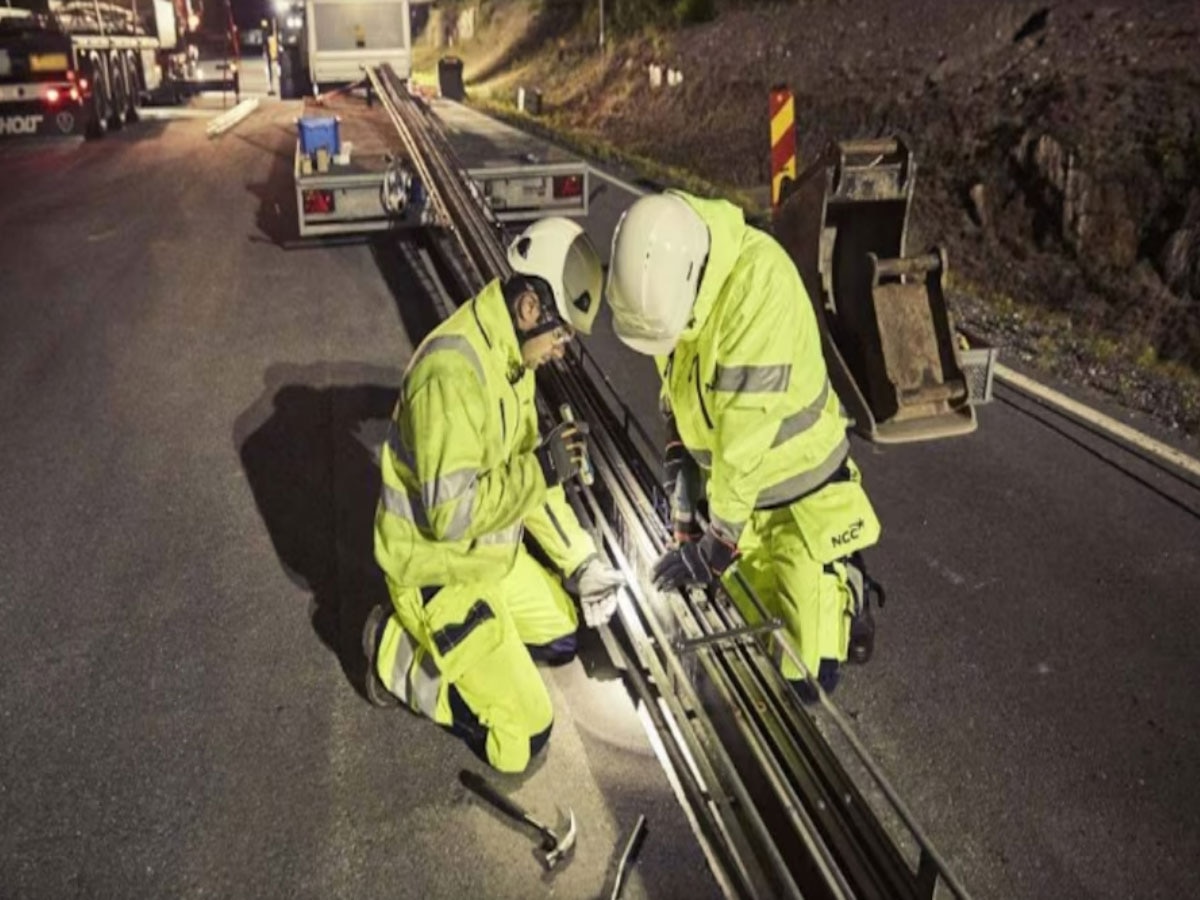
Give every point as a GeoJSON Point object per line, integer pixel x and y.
{"type": "Point", "coordinates": [553, 846]}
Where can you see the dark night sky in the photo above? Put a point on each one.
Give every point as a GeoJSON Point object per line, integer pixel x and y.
{"type": "Point", "coordinates": [247, 13]}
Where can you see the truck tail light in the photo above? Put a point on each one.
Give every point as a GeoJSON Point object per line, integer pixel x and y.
{"type": "Point", "coordinates": [318, 202]}
{"type": "Point", "coordinates": [568, 186]}
{"type": "Point", "coordinates": [53, 96]}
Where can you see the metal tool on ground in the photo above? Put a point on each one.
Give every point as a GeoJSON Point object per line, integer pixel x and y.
{"type": "Point", "coordinates": [632, 847]}
{"type": "Point", "coordinates": [554, 846]}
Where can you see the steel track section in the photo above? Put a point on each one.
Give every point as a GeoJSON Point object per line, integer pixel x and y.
{"type": "Point", "coordinates": [719, 718]}
{"type": "Point", "coordinates": [773, 809]}
{"type": "Point", "coordinates": [803, 768]}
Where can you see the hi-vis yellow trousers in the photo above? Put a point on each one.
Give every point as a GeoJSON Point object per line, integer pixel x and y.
{"type": "Point", "coordinates": [464, 654]}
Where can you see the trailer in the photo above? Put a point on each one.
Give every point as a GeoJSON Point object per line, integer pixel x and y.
{"type": "Point", "coordinates": [87, 66]}
{"type": "Point", "coordinates": [353, 172]}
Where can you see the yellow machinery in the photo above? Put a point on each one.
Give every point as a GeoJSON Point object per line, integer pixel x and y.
{"type": "Point", "coordinates": [890, 344]}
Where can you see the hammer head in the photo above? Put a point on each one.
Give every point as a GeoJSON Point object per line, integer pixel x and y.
{"type": "Point", "coordinates": [557, 847]}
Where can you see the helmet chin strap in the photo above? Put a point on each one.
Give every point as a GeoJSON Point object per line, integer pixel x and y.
{"type": "Point", "coordinates": [544, 327]}
{"type": "Point", "coordinates": [548, 320]}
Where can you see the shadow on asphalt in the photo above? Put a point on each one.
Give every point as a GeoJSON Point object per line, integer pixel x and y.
{"type": "Point", "coordinates": [277, 216]}
{"type": "Point", "coordinates": [417, 310]}
{"type": "Point", "coordinates": [309, 447]}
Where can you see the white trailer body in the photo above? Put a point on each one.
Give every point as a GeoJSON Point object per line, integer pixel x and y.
{"type": "Point", "coordinates": [345, 36]}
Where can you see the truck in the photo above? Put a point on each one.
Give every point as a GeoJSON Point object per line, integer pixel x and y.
{"type": "Point", "coordinates": [345, 36]}
{"type": "Point", "coordinates": [87, 66]}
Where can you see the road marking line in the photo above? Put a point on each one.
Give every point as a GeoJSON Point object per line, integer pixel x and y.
{"type": "Point", "coordinates": [1139, 440]}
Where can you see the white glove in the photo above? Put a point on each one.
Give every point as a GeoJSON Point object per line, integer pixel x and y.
{"type": "Point", "coordinates": [597, 584]}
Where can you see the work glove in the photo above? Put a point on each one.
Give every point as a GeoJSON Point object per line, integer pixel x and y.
{"type": "Point", "coordinates": [562, 452]}
{"type": "Point", "coordinates": [596, 583]}
{"type": "Point", "coordinates": [695, 562]}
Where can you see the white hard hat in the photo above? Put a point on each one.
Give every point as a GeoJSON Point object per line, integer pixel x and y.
{"type": "Point", "coordinates": [658, 252]}
{"type": "Point", "coordinates": [559, 252]}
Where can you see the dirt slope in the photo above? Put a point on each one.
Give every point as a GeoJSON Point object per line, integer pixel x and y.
{"type": "Point", "coordinates": [1058, 145]}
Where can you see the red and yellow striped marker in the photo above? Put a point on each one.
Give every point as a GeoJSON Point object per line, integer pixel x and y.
{"type": "Point", "coordinates": [783, 139]}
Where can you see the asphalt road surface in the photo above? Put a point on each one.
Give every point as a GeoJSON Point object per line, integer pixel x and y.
{"type": "Point", "coordinates": [187, 481]}
{"type": "Point", "coordinates": [186, 476]}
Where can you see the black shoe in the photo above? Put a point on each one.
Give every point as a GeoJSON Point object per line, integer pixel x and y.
{"type": "Point", "coordinates": [372, 635]}
{"type": "Point", "coordinates": [829, 674]}
{"type": "Point", "coordinates": [862, 639]}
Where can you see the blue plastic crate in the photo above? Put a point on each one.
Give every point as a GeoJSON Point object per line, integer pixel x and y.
{"type": "Point", "coordinates": [317, 132]}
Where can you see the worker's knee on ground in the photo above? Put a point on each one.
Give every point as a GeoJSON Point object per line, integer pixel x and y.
{"type": "Point", "coordinates": [511, 752]}
{"type": "Point", "coordinates": [558, 652]}
{"type": "Point", "coordinates": [517, 716]}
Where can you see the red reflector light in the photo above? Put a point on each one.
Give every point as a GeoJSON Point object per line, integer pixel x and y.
{"type": "Point", "coordinates": [568, 186]}
{"type": "Point", "coordinates": [83, 84]}
{"type": "Point", "coordinates": [318, 201]}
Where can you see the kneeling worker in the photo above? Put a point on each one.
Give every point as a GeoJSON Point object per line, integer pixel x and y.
{"type": "Point", "coordinates": [465, 475]}
{"type": "Point", "coordinates": [755, 431]}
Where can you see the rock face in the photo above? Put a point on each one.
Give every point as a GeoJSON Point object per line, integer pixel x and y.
{"type": "Point", "coordinates": [1095, 218]}
{"type": "Point", "coordinates": [1058, 145]}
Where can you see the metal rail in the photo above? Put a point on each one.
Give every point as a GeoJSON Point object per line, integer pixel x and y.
{"type": "Point", "coordinates": [773, 808]}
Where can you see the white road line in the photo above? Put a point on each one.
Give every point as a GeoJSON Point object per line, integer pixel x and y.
{"type": "Point", "coordinates": [1015, 379]}
{"type": "Point", "coordinates": [1118, 429]}
{"type": "Point", "coordinates": [229, 118]}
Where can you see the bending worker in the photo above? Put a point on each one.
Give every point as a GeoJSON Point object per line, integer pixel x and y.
{"type": "Point", "coordinates": [757, 461]}
{"type": "Point", "coordinates": [464, 477]}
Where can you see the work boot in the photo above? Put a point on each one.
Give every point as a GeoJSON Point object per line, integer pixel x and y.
{"type": "Point", "coordinates": [372, 636]}
{"type": "Point", "coordinates": [862, 638]}
{"type": "Point", "coordinates": [829, 674]}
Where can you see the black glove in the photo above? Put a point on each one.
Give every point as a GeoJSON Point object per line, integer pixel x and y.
{"type": "Point", "coordinates": [695, 562]}
{"type": "Point", "coordinates": [562, 452]}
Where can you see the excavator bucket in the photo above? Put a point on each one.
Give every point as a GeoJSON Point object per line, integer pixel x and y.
{"type": "Point", "coordinates": [892, 351]}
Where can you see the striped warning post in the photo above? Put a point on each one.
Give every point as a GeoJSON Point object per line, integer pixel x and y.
{"type": "Point", "coordinates": [783, 139]}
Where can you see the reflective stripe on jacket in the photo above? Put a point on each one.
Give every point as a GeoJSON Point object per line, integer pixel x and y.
{"type": "Point", "coordinates": [460, 479]}
{"type": "Point", "coordinates": [747, 381]}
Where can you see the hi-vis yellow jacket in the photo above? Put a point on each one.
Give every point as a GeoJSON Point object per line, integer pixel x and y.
{"type": "Point", "coordinates": [460, 479]}
{"type": "Point", "coordinates": [747, 382]}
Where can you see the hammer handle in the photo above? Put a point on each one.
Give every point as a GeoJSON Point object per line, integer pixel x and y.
{"type": "Point", "coordinates": [480, 786]}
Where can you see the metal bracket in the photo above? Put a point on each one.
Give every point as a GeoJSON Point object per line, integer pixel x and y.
{"type": "Point", "coordinates": [687, 645]}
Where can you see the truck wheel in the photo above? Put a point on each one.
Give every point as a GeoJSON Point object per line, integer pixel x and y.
{"type": "Point", "coordinates": [98, 114]}
{"type": "Point", "coordinates": [119, 99]}
{"type": "Point", "coordinates": [133, 80]}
